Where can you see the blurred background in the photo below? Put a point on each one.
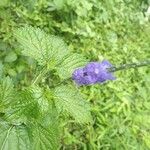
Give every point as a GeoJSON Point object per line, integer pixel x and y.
{"type": "Point", "coordinates": [116, 30]}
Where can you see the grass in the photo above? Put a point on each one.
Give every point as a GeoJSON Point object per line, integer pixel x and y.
{"type": "Point", "coordinates": [116, 30]}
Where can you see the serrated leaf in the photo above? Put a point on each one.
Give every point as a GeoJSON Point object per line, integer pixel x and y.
{"type": "Point", "coordinates": [44, 138]}
{"type": "Point", "coordinates": [45, 132]}
{"type": "Point", "coordinates": [46, 49]}
{"type": "Point", "coordinates": [6, 92]}
{"type": "Point", "coordinates": [69, 99]}
{"type": "Point", "coordinates": [70, 63]}
{"type": "Point", "coordinates": [13, 137]}
{"type": "Point", "coordinates": [22, 108]}
{"type": "Point", "coordinates": [29, 103]}
{"type": "Point", "coordinates": [38, 94]}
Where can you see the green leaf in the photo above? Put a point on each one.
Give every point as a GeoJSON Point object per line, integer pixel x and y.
{"type": "Point", "coordinates": [44, 138]}
{"type": "Point", "coordinates": [32, 108]}
{"type": "Point", "coordinates": [36, 135]}
{"type": "Point", "coordinates": [29, 103]}
{"type": "Point", "coordinates": [13, 137]}
{"type": "Point", "coordinates": [41, 99]}
{"type": "Point", "coordinates": [10, 57]}
{"type": "Point", "coordinates": [73, 61]}
{"type": "Point", "coordinates": [46, 49]}
{"type": "Point", "coordinates": [69, 99]}
{"type": "Point", "coordinates": [22, 108]}
{"type": "Point", "coordinates": [6, 93]}
{"type": "Point", "coordinates": [45, 132]}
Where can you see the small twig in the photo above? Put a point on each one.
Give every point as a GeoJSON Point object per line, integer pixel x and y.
{"type": "Point", "coordinates": [129, 66]}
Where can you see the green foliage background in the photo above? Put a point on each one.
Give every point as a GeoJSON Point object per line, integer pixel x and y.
{"type": "Point", "coordinates": [117, 30]}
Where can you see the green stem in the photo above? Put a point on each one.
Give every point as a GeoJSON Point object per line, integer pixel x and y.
{"type": "Point", "coordinates": [53, 86]}
{"type": "Point", "coordinates": [115, 68]}
{"type": "Point", "coordinates": [129, 66]}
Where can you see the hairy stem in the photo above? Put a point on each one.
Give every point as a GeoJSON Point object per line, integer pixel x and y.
{"type": "Point", "coordinates": [129, 66]}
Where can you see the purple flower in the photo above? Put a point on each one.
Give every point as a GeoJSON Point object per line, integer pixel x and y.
{"type": "Point", "coordinates": [93, 72]}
